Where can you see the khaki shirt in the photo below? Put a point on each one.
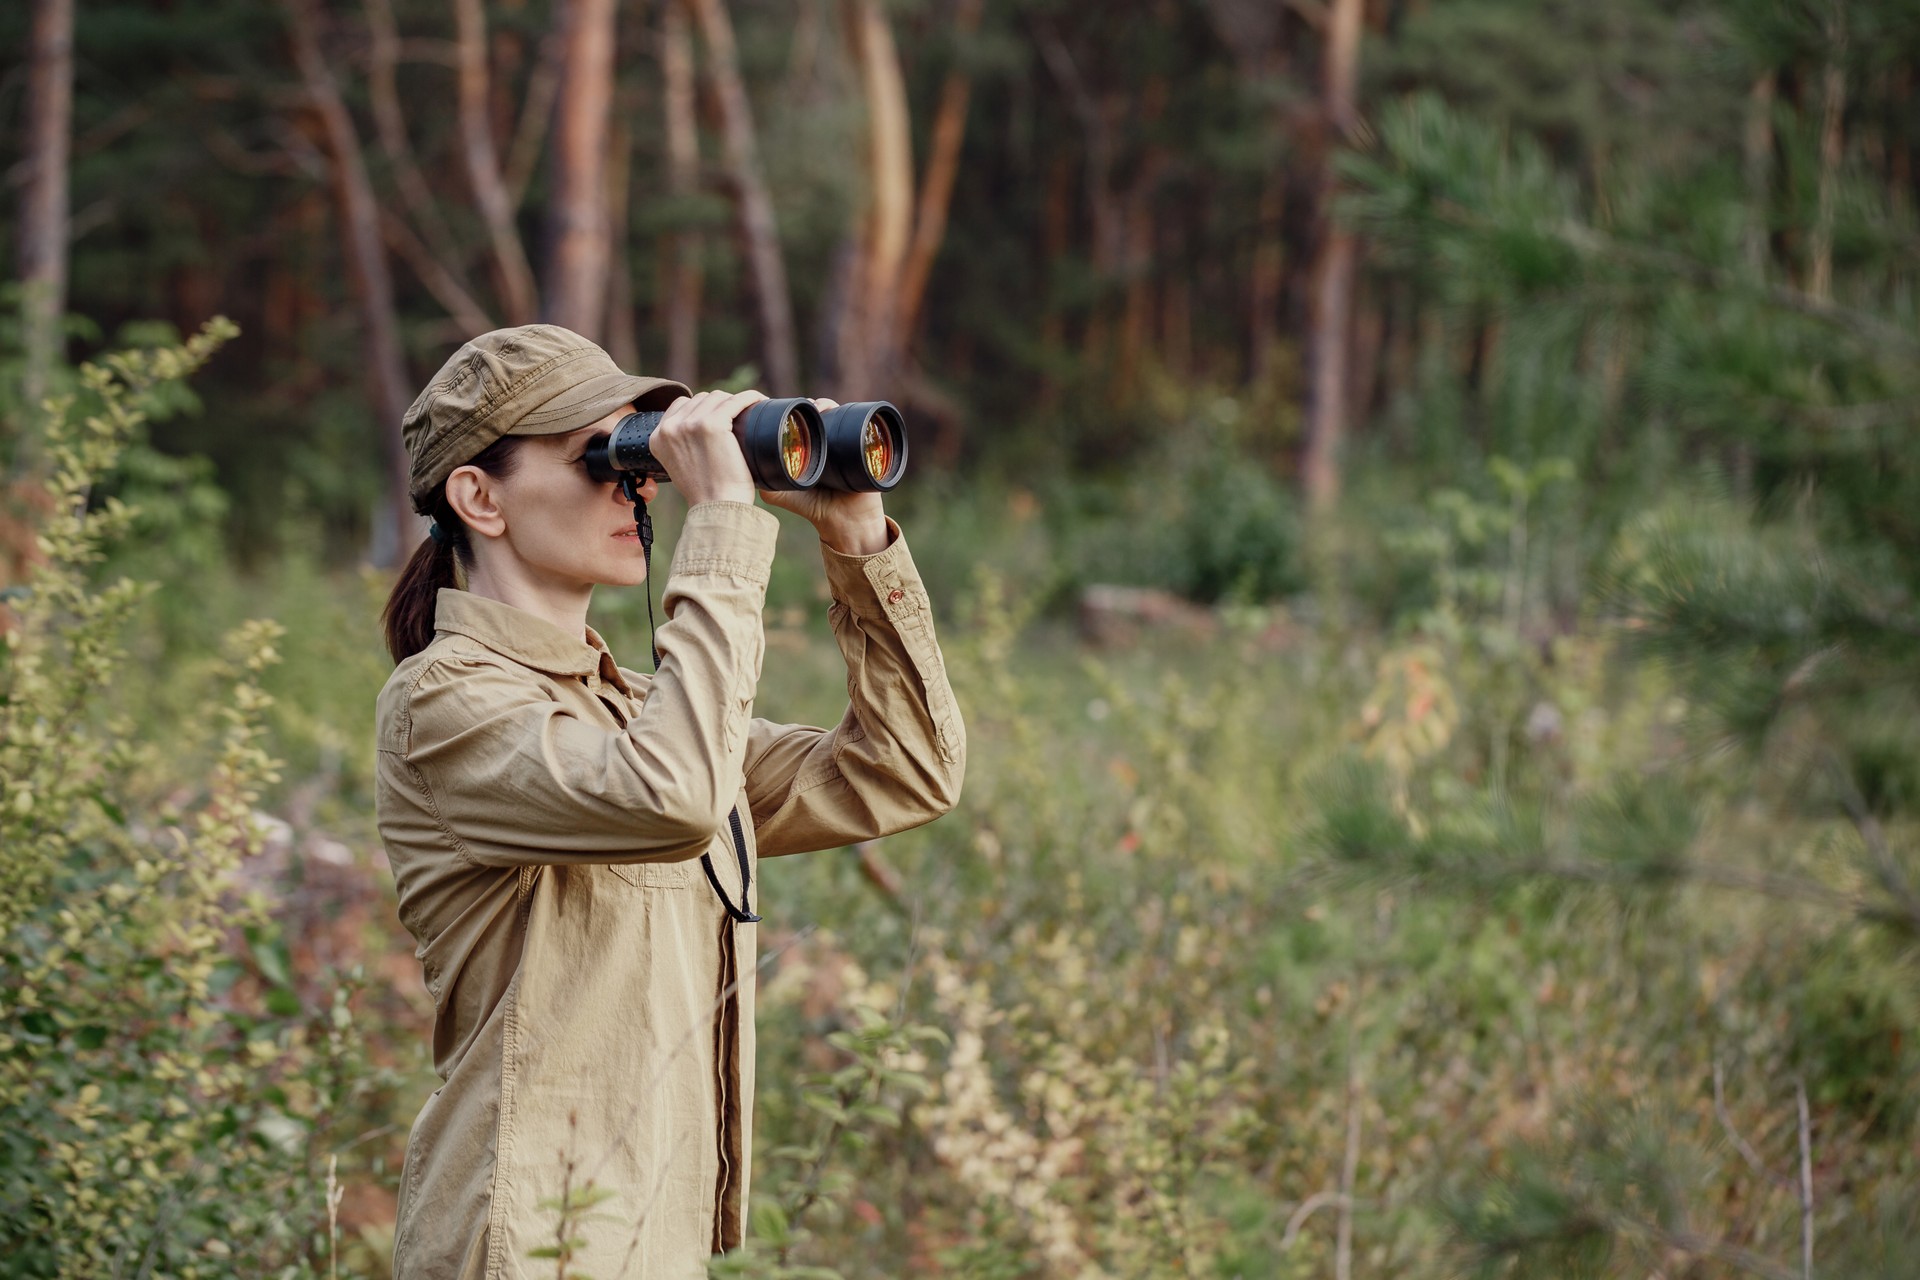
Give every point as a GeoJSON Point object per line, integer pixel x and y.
{"type": "Point", "coordinates": [544, 811]}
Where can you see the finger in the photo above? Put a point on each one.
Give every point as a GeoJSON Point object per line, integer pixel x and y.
{"type": "Point", "coordinates": [679, 409]}
{"type": "Point", "coordinates": [824, 405]}
{"type": "Point", "coordinates": [704, 407]}
{"type": "Point", "coordinates": [742, 400]}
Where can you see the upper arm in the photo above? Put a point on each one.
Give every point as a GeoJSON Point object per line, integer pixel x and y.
{"type": "Point", "coordinates": [516, 777]}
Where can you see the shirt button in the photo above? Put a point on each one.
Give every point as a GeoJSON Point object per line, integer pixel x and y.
{"type": "Point", "coordinates": [895, 596]}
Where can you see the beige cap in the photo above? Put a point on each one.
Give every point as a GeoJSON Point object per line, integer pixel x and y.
{"type": "Point", "coordinates": [536, 380]}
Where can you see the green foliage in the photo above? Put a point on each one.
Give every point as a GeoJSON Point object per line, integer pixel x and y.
{"type": "Point", "coordinates": [798, 1182]}
{"type": "Point", "coordinates": [1609, 1198]}
{"type": "Point", "coordinates": [158, 1092]}
{"type": "Point", "coordinates": [1772, 585]}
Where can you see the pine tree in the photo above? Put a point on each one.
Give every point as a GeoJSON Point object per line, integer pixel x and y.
{"type": "Point", "coordinates": [1730, 359]}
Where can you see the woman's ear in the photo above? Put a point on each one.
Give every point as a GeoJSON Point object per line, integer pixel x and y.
{"type": "Point", "coordinates": [475, 498]}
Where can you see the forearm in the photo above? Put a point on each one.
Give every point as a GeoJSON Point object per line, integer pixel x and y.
{"type": "Point", "coordinates": [897, 757]}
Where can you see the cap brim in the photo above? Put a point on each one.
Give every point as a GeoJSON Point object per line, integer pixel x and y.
{"type": "Point", "coordinates": [585, 403]}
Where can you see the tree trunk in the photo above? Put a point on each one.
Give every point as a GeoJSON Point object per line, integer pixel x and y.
{"type": "Point", "coordinates": [623, 336]}
{"type": "Point", "coordinates": [936, 183]}
{"type": "Point", "coordinates": [1333, 274]}
{"type": "Point", "coordinates": [1758, 172]}
{"type": "Point", "coordinates": [760, 234]}
{"type": "Point", "coordinates": [683, 273]}
{"type": "Point", "coordinates": [1056, 237]}
{"type": "Point", "coordinates": [359, 216]}
{"type": "Point", "coordinates": [870, 347]}
{"type": "Point", "coordinates": [1759, 169]}
{"type": "Point", "coordinates": [383, 93]}
{"type": "Point", "coordinates": [1267, 275]}
{"type": "Point", "coordinates": [512, 276]}
{"type": "Point", "coordinates": [1833, 111]}
{"type": "Point", "coordinates": [44, 200]}
{"type": "Point", "coordinates": [577, 231]}
{"type": "Point", "coordinates": [1136, 310]}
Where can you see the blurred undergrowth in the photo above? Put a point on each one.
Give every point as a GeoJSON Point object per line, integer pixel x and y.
{"type": "Point", "coordinates": [163, 1091]}
{"type": "Point", "coordinates": [1361, 925]}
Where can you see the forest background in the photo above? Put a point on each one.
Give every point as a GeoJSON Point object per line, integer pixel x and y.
{"type": "Point", "coordinates": [1422, 505]}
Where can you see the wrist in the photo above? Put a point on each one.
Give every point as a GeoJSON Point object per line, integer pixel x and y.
{"type": "Point", "coordinates": [725, 493]}
{"type": "Point", "coordinates": [856, 537]}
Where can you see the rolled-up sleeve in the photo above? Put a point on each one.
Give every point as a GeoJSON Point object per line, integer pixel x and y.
{"type": "Point", "coordinates": [517, 778]}
{"type": "Point", "coordinates": [898, 756]}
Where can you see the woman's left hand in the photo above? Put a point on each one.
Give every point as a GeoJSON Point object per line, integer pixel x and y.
{"type": "Point", "coordinates": [850, 523]}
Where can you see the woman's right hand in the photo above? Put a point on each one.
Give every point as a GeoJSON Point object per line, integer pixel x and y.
{"type": "Point", "coordinates": [696, 444]}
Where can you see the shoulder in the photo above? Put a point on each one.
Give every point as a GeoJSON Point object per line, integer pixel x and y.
{"type": "Point", "coordinates": [454, 679]}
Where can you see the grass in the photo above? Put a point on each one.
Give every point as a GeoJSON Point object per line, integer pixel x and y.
{"type": "Point", "coordinates": [1184, 1040]}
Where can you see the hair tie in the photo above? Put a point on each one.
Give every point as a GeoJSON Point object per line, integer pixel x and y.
{"type": "Point", "coordinates": [440, 536]}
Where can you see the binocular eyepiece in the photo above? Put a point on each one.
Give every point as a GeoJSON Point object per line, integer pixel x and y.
{"type": "Point", "coordinates": [789, 444]}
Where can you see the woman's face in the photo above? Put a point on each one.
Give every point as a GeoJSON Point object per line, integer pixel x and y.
{"type": "Point", "coordinates": [561, 526]}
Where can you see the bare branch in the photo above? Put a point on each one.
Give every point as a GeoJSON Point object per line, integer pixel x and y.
{"type": "Point", "coordinates": [1740, 1144]}
{"type": "Point", "coordinates": [1350, 1163]}
{"type": "Point", "coordinates": [536, 113]}
{"type": "Point", "coordinates": [1832, 114]}
{"type": "Point", "coordinates": [513, 277]}
{"type": "Point", "coordinates": [759, 229]}
{"type": "Point", "coordinates": [1311, 1205]}
{"type": "Point", "coordinates": [1806, 1181]}
{"type": "Point", "coordinates": [390, 125]}
{"type": "Point", "coordinates": [878, 872]}
{"type": "Point", "coordinates": [684, 277]}
{"type": "Point", "coordinates": [1892, 877]}
{"type": "Point", "coordinates": [439, 53]}
{"type": "Point", "coordinates": [1587, 240]}
{"type": "Point", "coordinates": [1312, 12]}
{"type": "Point", "coordinates": [467, 314]}
{"type": "Point", "coordinates": [366, 266]}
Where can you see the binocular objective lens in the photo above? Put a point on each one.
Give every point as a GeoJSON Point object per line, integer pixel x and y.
{"type": "Point", "coordinates": [796, 445]}
{"type": "Point", "coordinates": [876, 448]}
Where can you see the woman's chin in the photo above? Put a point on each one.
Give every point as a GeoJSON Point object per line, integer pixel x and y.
{"type": "Point", "coordinates": [624, 576]}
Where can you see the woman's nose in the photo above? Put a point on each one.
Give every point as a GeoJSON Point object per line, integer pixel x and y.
{"type": "Point", "coordinates": [649, 490]}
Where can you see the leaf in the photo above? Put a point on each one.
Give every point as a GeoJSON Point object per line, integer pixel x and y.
{"type": "Point", "coordinates": [108, 807]}
{"type": "Point", "coordinates": [826, 1106]}
{"type": "Point", "coordinates": [769, 1223]}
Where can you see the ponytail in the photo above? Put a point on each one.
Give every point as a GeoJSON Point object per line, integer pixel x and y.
{"type": "Point", "coordinates": [408, 617]}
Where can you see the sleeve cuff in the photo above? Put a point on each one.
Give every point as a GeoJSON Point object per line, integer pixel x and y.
{"type": "Point", "coordinates": [884, 585]}
{"type": "Point", "coordinates": [734, 539]}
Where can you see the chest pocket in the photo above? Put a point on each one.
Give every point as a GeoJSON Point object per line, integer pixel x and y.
{"type": "Point", "coordinates": [655, 875]}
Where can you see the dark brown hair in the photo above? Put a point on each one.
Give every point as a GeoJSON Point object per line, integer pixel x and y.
{"type": "Point", "coordinates": [408, 617]}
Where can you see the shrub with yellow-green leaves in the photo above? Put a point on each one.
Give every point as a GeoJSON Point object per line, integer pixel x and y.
{"type": "Point", "coordinates": [158, 1093]}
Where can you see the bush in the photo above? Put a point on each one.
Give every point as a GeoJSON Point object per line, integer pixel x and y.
{"type": "Point", "coordinates": [157, 1094]}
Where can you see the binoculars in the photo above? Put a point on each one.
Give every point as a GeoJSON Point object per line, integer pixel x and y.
{"type": "Point", "coordinates": [789, 444]}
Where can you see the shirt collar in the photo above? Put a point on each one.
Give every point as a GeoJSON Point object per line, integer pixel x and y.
{"type": "Point", "coordinates": [529, 640]}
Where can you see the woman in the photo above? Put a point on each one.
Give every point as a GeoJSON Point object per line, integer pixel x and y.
{"type": "Point", "coordinates": [573, 843]}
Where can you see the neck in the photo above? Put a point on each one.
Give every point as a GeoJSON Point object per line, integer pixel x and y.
{"type": "Point", "coordinates": [562, 604]}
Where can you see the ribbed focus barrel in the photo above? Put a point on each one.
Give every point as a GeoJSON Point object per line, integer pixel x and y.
{"type": "Point", "coordinates": [783, 442]}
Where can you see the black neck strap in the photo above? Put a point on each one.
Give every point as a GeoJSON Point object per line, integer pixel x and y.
{"type": "Point", "coordinates": [643, 525]}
